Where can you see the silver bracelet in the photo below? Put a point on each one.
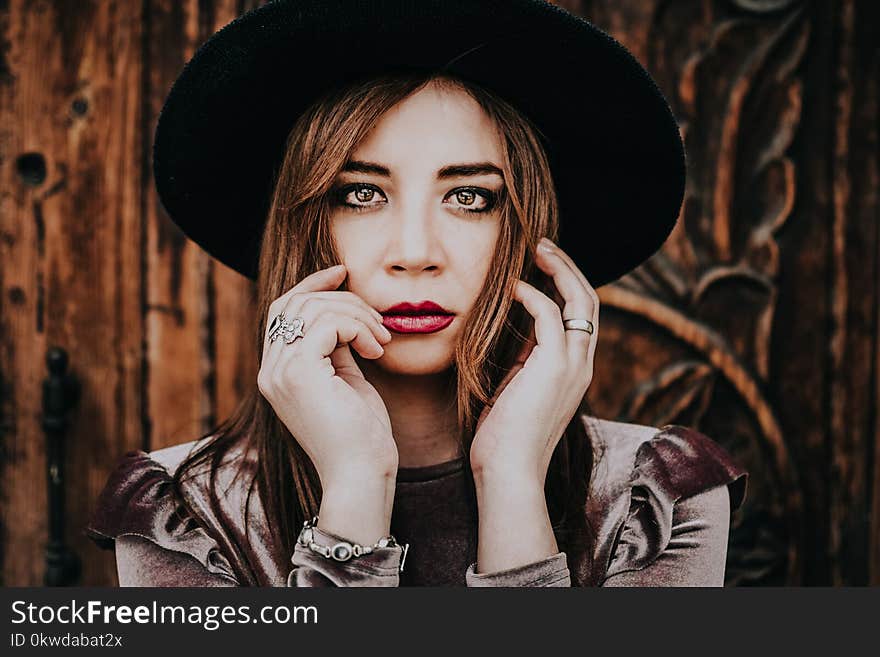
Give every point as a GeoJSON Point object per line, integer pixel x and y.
{"type": "Point", "coordinates": [345, 550]}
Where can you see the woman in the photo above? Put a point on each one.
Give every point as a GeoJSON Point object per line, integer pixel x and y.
{"type": "Point", "coordinates": [425, 344]}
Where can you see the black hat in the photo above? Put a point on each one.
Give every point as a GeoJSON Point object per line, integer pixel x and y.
{"type": "Point", "coordinates": [614, 147]}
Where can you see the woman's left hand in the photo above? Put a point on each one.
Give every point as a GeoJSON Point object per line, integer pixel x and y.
{"type": "Point", "coordinates": [517, 433]}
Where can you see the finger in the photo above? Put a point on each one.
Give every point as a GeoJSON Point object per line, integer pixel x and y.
{"type": "Point", "coordinates": [350, 297]}
{"type": "Point", "coordinates": [548, 321]}
{"type": "Point", "coordinates": [304, 355]}
{"type": "Point", "coordinates": [577, 271]}
{"type": "Point", "coordinates": [329, 330]}
{"type": "Point", "coordinates": [309, 307]}
{"type": "Point", "coordinates": [323, 279]}
{"type": "Point", "coordinates": [591, 353]}
{"type": "Point", "coordinates": [343, 361]}
{"type": "Point", "coordinates": [327, 280]}
{"type": "Point", "coordinates": [577, 303]}
{"type": "Point", "coordinates": [341, 357]}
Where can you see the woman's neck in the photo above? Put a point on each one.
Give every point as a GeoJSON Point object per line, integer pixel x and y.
{"type": "Point", "coordinates": [423, 412]}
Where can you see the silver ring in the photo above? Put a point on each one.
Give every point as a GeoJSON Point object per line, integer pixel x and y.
{"type": "Point", "coordinates": [288, 331]}
{"type": "Point", "coordinates": [578, 325]}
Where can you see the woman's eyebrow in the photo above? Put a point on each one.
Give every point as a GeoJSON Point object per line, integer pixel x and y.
{"type": "Point", "coordinates": [357, 166]}
{"type": "Point", "coordinates": [451, 171]}
{"type": "Point", "coordinates": [471, 169]}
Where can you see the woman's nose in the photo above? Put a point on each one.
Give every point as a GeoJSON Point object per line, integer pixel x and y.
{"type": "Point", "coordinates": [413, 244]}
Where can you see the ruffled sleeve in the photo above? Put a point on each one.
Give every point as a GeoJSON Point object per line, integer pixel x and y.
{"type": "Point", "coordinates": [138, 500]}
{"type": "Point", "coordinates": [675, 508]}
{"type": "Point", "coordinates": [159, 542]}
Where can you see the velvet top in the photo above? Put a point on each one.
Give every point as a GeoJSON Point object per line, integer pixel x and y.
{"type": "Point", "coordinates": [659, 504]}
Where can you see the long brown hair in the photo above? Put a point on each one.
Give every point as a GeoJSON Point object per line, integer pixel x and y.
{"type": "Point", "coordinates": [318, 146]}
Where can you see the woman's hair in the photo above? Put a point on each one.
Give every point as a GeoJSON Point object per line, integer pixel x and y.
{"type": "Point", "coordinates": [298, 226]}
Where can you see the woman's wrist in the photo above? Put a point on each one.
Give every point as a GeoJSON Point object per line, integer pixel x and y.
{"type": "Point", "coordinates": [495, 477]}
{"type": "Point", "coordinates": [514, 524]}
{"type": "Point", "coordinates": [357, 506]}
{"type": "Point", "coordinates": [502, 491]}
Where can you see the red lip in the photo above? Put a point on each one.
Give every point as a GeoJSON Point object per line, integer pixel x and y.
{"type": "Point", "coordinates": [424, 317]}
{"type": "Point", "coordinates": [422, 308]}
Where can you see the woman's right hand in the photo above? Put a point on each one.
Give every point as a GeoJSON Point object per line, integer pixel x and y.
{"type": "Point", "coordinates": [320, 394]}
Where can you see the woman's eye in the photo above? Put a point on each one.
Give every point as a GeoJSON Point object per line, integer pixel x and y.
{"type": "Point", "coordinates": [364, 194]}
{"type": "Point", "coordinates": [471, 199]}
{"type": "Point", "coordinates": [466, 197]}
{"type": "Point", "coordinates": [360, 196]}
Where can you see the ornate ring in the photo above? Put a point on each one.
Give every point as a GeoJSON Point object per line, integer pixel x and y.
{"type": "Point", "coordinates": [289, 331]}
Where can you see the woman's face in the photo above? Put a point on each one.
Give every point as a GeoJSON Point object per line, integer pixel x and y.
{"type": "Point", "coordinates": [416, 217]}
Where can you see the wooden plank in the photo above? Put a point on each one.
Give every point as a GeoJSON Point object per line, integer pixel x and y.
{"type": "Point", "coordinates": [72, 259]}
{"type": "Point", "coordinates": [22, 339]}
{"type": "Point", "coordinates": [181, 386]}
{"type": "Point", "coordinates": [855, 284]}
{"type": "Point", "coordinates": [175, 268]}
{"type": "Point", "coordinates": [864, 170]}
{"type": "Point", "coordinates": [234, 326]}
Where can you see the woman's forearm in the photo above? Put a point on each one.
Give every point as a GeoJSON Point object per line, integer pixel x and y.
{"type": "Point", "coordinates": [514, 525]}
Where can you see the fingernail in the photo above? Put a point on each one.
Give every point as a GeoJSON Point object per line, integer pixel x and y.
{"type": "Point", "coordinates": [545, 245]}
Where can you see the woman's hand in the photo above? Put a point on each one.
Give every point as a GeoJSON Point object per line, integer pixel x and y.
{"type": "Point", "coordinates": [318, 391]}
{"type": "Point", "coordinates": [517, 433]}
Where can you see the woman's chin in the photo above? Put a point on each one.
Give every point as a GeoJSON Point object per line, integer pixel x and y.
{"type": "Point", "coordinates": [415, 357]}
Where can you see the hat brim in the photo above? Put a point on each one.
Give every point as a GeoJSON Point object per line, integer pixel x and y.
{"type": "Point", "coordinates": [615, 151]}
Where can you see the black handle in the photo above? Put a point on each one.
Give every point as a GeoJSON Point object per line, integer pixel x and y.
{"type": "Point", "coordinates": [60, 395]}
